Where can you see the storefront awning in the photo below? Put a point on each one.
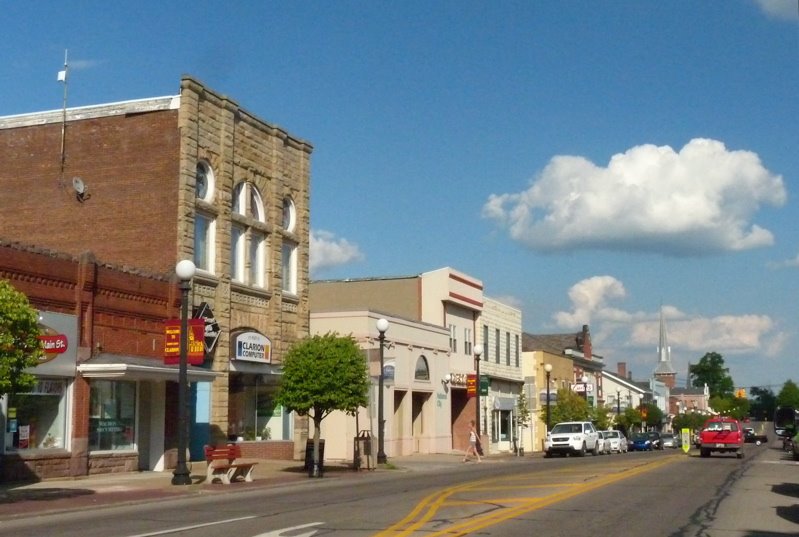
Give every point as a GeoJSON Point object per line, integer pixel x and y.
{"type": "Point", "coordinates": [123, 367]}
{"type": "Point", "coordinates": [253, 368]}
{"type": "Point", "coordinates": [504, 403]}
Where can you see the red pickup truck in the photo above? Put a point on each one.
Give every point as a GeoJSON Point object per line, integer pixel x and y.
{"type": "Point", "coordinates": [722, 434]}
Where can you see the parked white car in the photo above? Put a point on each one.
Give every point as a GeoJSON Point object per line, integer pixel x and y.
{"type": "Point", "coordinates": [616, 441]}
{"type": "Point", "coordinates": [603, 444]}
{"type": "Point", "coordinates": [572, 438]}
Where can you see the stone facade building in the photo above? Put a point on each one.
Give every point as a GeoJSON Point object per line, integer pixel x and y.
{"type": "Point", "coordinates": [143, 184]}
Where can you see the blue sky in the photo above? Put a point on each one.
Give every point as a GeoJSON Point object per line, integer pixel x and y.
{"type": "Point", "coordinates": [589, 161]}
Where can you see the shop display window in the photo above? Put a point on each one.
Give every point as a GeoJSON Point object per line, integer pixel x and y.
{"type": "Point", "coordinates": [112, 423]}
{"type": "Point", "coordinates": [36, 420]}
{"type": "Point", "coordinates": [253, 413]}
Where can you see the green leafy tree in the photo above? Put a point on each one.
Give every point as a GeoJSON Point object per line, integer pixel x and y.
{"type": "Point", "coordinates": [628, 420]}
{"type": "Point", "coordinates": [569, 407]}
{"type": "Point", "coordinates": [654, 416]}
{"type": "Point", "coordinates": [20, 347]}
{"type": "Point", "coordinates": [735, 407]}
{"type": "Point", "coordinates": [689, 420]}
{"type": "Point", "coordinates": [711, 371]}
{"type": "Point", "coordinates": [789, 394]}
{"type": "Point", "coordinates": [602, 417]}
{"type": "Point", "coordinates": [763, 403]}
{"type": "Point", "coordinates": [523, 414]}
{"type": "Point", "coordinates": [322, 374]}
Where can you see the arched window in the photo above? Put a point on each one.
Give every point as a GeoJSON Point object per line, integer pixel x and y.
{"type": "Point", "coordinates": [204, 221]}
{"type": "Point", "coordinates": [204, 181]}
{"type": "Point", "coordinates": [247, 236]}
{"type": "Point", "coordinates": [422, 371]}
{"type": "Point", "coordinates": [289, 214]}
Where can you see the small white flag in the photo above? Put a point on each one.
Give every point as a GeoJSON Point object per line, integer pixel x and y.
{"type": "Point", "coordinates": [62, 76]}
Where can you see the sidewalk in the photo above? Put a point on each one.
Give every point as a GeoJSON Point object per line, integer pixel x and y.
{"type": "Point", "coordinates": [54, 495]}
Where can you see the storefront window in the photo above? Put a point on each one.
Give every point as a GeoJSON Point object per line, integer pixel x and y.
{"type": "Point", "coordinates": [253, 413]}
{"type": "Point", "coordinates": [37, 419]}
{"type": "Point", "coordinates": [112, 424]}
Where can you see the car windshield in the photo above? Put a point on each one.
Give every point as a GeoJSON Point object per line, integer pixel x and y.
{"type": "Point", "coordinates": [640, 436]}
{"type": "Point", "coordinates": [721, 426]}
{"type": "Point", "coordinates": [667, 436]}
{"type": "Point", "coordinates": [561, 428]}
{"type": "Point", "coordinates": [612, 434]}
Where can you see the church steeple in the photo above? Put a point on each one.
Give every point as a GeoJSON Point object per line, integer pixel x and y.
{"type": "Point", "coordinates": [664, 371]}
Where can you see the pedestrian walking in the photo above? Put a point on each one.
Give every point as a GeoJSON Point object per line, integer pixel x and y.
{"type": "Point", "coordinates": [474, 444]}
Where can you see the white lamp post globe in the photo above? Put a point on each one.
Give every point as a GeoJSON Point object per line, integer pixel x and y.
{"type": "Point", "coordinates": [478, 350]}
{"type": "Point", "coordinates": [382, 325]}
{"type": "Point", "coordinates": [548, 368]}
{"type": "Point", "coordinates": [185, 269]}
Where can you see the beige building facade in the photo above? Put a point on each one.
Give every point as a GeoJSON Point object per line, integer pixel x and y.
{"type": "Point", "coordinates": [444, 298]}
{"type": "Point", "coordinates": [416, 391]}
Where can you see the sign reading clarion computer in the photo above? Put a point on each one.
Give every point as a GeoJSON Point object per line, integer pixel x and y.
{"type": "Point", "coordinates": [252, 347]}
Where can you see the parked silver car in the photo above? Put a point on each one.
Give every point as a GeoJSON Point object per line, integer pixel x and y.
{"type": "Point", "coordinates": [615, 441]}
{"type": "Point", "coordinates": [668, 440]}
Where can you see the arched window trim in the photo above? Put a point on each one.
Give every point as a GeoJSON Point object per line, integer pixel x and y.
{"type": "Point", "coordinates": [422, 369]}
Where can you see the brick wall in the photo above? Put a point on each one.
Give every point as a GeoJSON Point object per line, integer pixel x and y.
{"type": "Point", "coordinates": [269, 449]}
{"type": "Point", "coordinates": [129, 164]}
{"type": "Point", "coordinates": [108, 302]}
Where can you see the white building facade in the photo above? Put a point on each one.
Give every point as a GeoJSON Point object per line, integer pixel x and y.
{"type": "Point", "coordinates": [501, 366]}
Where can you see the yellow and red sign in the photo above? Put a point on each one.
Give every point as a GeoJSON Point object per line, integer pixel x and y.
{"type": "Point", "coordinates": [471, 385]}
{"type": "Point", "coordinates": [195, 351]}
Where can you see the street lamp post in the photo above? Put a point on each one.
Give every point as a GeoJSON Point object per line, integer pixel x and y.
{"type": "Point", "coordinates": [584, 382]}
{"type": "Point", "coordinates": [185, 271]}
{"type": "Point", "coordinates": [548, 371]}
{"type": "Point", "coordinates": [618, 404]}
{"type": "Point", "coordinates": [382, 326]}
{"type": "Point", "coordinates": [478, 351]}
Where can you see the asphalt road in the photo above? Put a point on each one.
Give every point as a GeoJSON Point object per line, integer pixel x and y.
{"type": "Point", "coordinates": [642, 494]}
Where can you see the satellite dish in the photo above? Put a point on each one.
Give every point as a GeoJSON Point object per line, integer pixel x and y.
{"type": "Point", "coordinates": [78, 185]}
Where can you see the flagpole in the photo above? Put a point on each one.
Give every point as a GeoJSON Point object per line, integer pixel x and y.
{"type": "Point", "coordinates": [62, 76]}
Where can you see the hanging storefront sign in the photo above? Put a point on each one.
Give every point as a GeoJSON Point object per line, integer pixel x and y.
{"type": "Point", "coordinates": [484, 382]}
{"type": "Point", "coordinates": [59, 336]}
{"type": "Point", "coordinates": [471, 385]}
{"type": "Point", "coordinates": [252, 347]}
{"type": "Point", "coordinates": [195, 352]}
{"type": "Point", "coordinates": [582, 388]}
{"type": "Point", "coordinates": [212, 329]}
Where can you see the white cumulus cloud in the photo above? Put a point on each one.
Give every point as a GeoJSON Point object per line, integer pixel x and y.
{"type": "Point", "coordinates": [589, 298]}
{"type": "Point", "coordinates": [780, 9]}
{"type": "Point", "coordinates": [698, 200]}
{"type": "Point", "coordinates": [787, 263]}
{"type": "Point", "coordinates": [327, 251]}
{"type": "Point", "coordinates": [620, 335]}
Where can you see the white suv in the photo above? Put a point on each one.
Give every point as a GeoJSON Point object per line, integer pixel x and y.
{"type": "Point", "coordinates": [572, 437]}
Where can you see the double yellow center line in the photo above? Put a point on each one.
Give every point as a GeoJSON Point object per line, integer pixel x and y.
{"type": "Point", "coordinates": [514, 506]}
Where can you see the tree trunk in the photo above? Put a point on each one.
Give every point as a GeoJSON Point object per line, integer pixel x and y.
{"type": "Point", "coordinates": [317, 469]}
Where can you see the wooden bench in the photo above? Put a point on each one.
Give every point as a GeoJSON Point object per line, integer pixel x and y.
{"type": "Point", "coordinates": [223, 464]}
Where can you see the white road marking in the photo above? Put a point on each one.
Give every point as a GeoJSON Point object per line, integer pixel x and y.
{"type": "Point", "coordinates": [195, 526]}
{"type": "Point", "coordinates": [281, 533]}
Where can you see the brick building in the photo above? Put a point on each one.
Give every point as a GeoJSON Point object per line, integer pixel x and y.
{"type": "Point", "coordinates": [83, 405]}
{"type": "Point", "coordinates": [145, 183]}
